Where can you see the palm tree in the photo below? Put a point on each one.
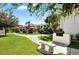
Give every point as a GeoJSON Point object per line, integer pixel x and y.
{"type": "Point", "coordinates": [7, 20]}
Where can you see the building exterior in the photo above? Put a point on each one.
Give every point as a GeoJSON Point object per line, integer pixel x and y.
{"type": "Point", "coordinates": [70, 24]}
{"type": "Point", "coordinates": [31, 26]}
{"type": "Point", "coordinates": [28, 28]}
{"type": "Point", "coordinates": [2, 31]}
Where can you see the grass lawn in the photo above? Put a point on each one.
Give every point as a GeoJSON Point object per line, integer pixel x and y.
{"type": "Point", "coordinates": [74, 44]}
{"type": "Point", "coordinates": [17, 45]}
{"type": "Point", "coordinates": [47, 38]}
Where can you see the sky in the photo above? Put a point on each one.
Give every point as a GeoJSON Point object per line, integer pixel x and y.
{"type": "Point", "coordinates": [24, 15]}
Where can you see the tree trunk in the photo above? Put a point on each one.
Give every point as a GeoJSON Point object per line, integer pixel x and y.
{"type": "Point", "coordinates": [5, 32]}
{"type": "Point", "coordinates": [52, 37]}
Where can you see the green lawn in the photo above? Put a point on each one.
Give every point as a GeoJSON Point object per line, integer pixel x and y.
{"type": "Point", "coordinates": [47, 38]}
{"type": "Point", "coordinates": [17, 45]}
{"type": "Point", "coordinates": [74, 44]}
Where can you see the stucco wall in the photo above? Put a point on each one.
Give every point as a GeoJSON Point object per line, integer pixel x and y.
{"type": "Point", "coordinates": [70, 24]}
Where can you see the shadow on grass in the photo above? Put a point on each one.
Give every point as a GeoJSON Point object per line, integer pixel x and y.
{"type": "Point", "coordinates": [3, 35]}
{"type": "Point", "coordinates": [74, 44]}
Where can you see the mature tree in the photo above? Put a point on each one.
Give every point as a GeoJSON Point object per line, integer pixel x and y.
{"type": "Point", "coordinates": [57, 11]}
{"type": "Point", "coordinates": [53, 21]}
{"type": "Point", "coordinates": [27, 23]}
{"type": "Point", "coordinates": [7, 19]}
{"type": "Point", "coordinates": [63, 9]}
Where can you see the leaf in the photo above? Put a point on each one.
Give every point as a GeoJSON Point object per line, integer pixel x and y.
{"type": "Point", "coordinates": [15, 5]}
{"type": "Point", "coordinates": [2, 5]}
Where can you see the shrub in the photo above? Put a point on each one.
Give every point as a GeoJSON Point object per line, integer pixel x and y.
{"type": "Point", "coordinates": [24, 31]}
{"type": "Point", "coordinates": [17, 30]}
{"type": "Point", "coordinates": [30, 30]}
{"type": "Point", "coordinates": [46, 38]}
{"type": "Point", "coordinates": [34, 31]}
{"type": "Point", "coordinates": [45, 29]}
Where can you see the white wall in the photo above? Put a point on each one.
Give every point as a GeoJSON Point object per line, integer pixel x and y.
{"type": "Point", "coordinates": [70, 24]}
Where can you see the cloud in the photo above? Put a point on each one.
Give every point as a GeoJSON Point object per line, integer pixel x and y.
{"type": "Point", "coordinates": [34, 4]}
{"type": "Point", "coordinates": [22, 8]}
{"type": "Point", "coordinates": [25, 7]}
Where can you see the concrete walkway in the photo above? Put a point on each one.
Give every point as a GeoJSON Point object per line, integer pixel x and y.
{"type": "Point", "coordinates": [33, 38]}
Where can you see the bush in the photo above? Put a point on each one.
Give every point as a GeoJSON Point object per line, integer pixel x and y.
{"type": "Point", "coordinates": [46, 38]}
{"type": "Point", "coordinates": [35, 31]}
{"type": "Point", "coordinates": [30, 30]}
{"type": "Point", "coordinates": [17, 30]}
{"type": "Point", "coordinates": [24, 31]}
{"type": "Point", "coordinates": [45, 29]}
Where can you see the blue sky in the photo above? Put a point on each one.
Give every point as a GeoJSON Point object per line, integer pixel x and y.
{"type": "Point", "coordinates": [24, 15]}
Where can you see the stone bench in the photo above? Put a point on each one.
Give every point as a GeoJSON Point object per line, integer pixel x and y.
{"type": "Point", "coordinates": [44, 45]}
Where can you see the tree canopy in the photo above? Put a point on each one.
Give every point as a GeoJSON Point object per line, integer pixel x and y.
{"type": "Point", "coordinates": [53, 21]}
{"type": "Point", "coordinates": [7, 19]}
{"type": "Point", "coordinates": [61, 8]}
{"type": "Point", "coordinates": [57, 10]}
